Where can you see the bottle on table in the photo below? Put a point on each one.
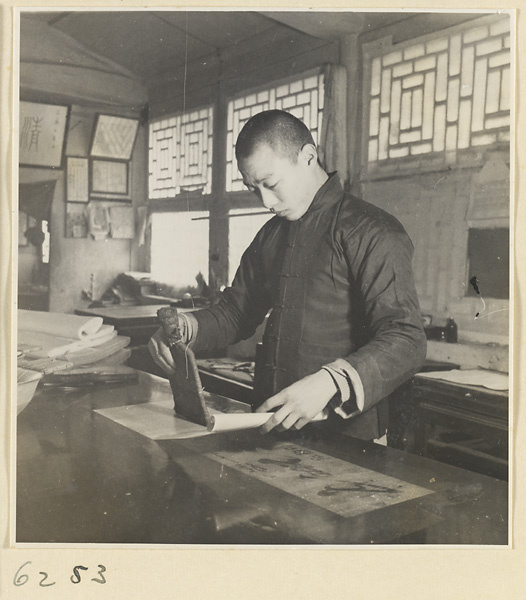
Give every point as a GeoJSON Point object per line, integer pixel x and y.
{"type": "Point", "coordinates": [451, 330]}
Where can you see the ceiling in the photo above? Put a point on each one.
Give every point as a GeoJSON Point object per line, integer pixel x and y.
{"type": "Point", "coordinates": [148, 43]}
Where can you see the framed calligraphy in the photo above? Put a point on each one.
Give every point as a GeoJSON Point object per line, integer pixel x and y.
{"type": "Point", "coordinates": [109, 178]}
{"type": "Point", "coordinates": [41, 135]}
{"type": "Point", "coordinates": [114, 137]}
{"type": "Point", "coordinates": [77, 189]}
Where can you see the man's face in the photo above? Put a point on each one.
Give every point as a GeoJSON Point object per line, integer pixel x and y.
{"type": "Point", "coordinates": [283, 186]}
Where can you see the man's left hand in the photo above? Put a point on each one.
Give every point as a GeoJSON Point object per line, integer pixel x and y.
{"type": "Point", "coordinates": [300, 402]}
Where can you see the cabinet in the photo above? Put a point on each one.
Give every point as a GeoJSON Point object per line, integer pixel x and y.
{"type": "Point", "coordinates": [462, 425]}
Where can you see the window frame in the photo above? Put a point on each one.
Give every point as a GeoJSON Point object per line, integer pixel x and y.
{"type": "Point", "coordinates": [434, 160]}
{"type": "Point", "coordinates": [184, 193]}
{"type": "Point", "coordinates": [231, 200]}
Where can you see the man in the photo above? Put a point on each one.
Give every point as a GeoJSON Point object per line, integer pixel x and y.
{"type": "Point", "coordinates": [345, 328]}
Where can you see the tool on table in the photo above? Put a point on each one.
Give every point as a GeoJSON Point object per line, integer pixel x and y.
{"type": "Point", "coordinates": [188, 393]}
{"type": "Point", "coordinates": [245, 367]}
{"type": "Point", "coordinates": [185, 382]}
{"type": "Point", "coordinates": [92, 375]}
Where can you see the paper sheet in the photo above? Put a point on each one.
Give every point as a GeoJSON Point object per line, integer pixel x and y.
{"type": "Point", "coordinates": [46, 344]}
{"type": "Point", "coordinates": [328, 482]}
{"type": "Point", "coordinates": [43, 365]}
{"type": "Point", "coordinates": [157, 420]}
{"type": "Point", "coordinates": [88, 354]}
{"type": "Point", "coordinates": [98, 220]}
{"type": "Point", "coordinates": [59, 324]}
{"type": "Point", "coordinates": [480, 377]}
{"type": "Point", "coordinates": [53, 345]}
{"type": "Point", "coordinates": [331, 483]}
{"type": "Point", "coordinates": [154, 420]}
{"type": "Point", "coordinates": [76, 220]}
{"type": "Point", "coordinates": [122, 222]}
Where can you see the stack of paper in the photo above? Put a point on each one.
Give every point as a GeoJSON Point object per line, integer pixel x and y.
{"type": "Point", "coordinates": [481, 377]}
{"type": "Point", "coordinates": [64, 338]}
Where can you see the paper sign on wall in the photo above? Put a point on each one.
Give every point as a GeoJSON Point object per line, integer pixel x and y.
{"type": "Point", "coordinates": [122, 222]}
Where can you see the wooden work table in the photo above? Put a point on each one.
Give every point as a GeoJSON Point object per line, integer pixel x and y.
{"type": "Point", "coordinates": [83, 478]}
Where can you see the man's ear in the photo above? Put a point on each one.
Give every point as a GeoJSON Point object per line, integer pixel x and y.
{"type": "Point", "coordinates": [309, 154]}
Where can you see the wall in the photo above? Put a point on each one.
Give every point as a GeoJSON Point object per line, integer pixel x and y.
{"type": "Point", "coordinates": [73, 260]}
{"type": "Point", "coordinates": [425, 167]}
{"type": "Point", "coordinates": [28, 261]}
{"type": "Point", "coordinates": [433, 208]}
{"type": "Point", "coordinates": [56, 69]}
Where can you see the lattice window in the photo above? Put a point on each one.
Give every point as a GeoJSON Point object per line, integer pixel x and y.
{"type": "Point", "coordinates": [302, 97]}
{"type": "Point", "coordinates": [180, 154]}
{"type": "Point", "coordinates": [443, 94]}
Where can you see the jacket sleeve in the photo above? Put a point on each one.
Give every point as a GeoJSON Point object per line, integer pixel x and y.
{"type": "Point", "coordinates": [241, 307]}
{"type": "Point", "coordinates": [380, 263]}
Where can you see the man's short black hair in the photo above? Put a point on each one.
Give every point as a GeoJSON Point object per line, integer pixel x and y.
{"type": "Point", "coordinates": [283, 132]}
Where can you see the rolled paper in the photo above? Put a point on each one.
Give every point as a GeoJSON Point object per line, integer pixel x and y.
{"type": "Point", "coordinates": [59, 324]}
{"type": "Point", "coordinates": [218, 422]}
{"type": "Point", "coordinates": [236, 421]}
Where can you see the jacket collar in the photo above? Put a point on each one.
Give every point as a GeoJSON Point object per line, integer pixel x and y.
{"type": "Point", "coordinates": [329, 193]}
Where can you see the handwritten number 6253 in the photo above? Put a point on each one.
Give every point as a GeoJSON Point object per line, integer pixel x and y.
{"type": "Point", "coordinates": [21, 578]}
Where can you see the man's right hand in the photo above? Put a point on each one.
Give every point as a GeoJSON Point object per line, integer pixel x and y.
{"type": "Point", "coordinates": [160, 352]}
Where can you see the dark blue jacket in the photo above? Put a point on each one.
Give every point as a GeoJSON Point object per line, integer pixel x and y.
{"type": "Point", "coordinates": [340, 285]}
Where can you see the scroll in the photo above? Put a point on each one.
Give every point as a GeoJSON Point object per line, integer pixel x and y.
{"type": "Point", "coordinates": [221, 421]}
{"type": "Point", "coordinates": [235, 421]}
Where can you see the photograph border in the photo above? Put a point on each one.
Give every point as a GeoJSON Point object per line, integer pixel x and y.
{"type": "Point", "coordinates": [378, 572]}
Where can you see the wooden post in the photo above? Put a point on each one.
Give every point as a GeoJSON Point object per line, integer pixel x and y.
{"type": "Point", "coordinates": [218, 208]}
